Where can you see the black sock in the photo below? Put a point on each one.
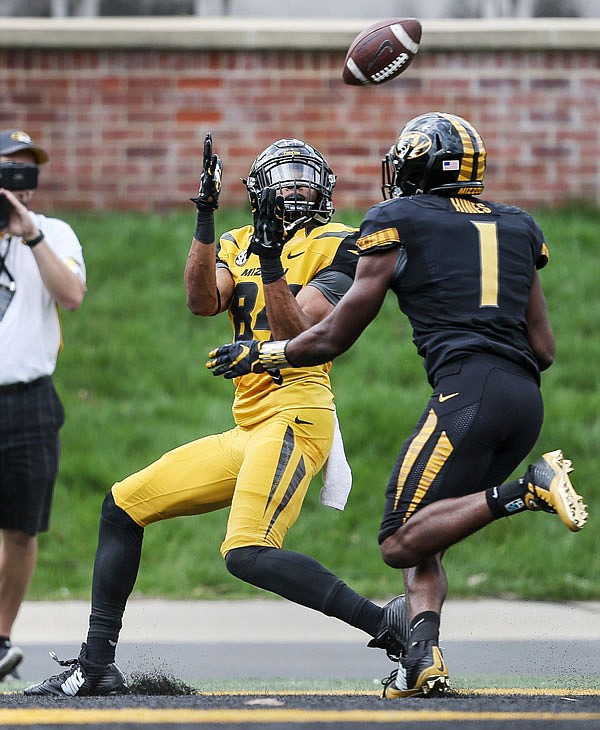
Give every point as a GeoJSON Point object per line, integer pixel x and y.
{"type": "Point", "coordinates": [102, 650]}
{"type": "Point", "coordinates": [115, 570]}
{"type": "Point", "coordinates": [507, 499]}
{"type": "Point", "coordinates": [425, 626]}
{"type": "Point", "coordinates": [303, 580]}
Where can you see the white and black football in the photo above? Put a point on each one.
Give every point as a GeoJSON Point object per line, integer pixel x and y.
{"type": "Point", "coordinates": [382, 51]}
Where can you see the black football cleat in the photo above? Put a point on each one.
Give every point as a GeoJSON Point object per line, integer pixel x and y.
{"type": "Point", "coordinates": [10, 658]}
{"type": "Point", "coordinates": [549, 489]}
{"type": "Point", "coordinates": [82, 679]}
{"type": "Point", "coordinates": [421, 672]}
{"type": "Point", "coordinates": [393, 633]}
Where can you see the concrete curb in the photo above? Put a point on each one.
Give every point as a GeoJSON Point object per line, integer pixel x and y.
{"type": "Point", "coordinates": [278, 621]}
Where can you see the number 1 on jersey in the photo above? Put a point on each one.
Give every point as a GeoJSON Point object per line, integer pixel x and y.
{"type": "Point", "coordinates": [488, 257]}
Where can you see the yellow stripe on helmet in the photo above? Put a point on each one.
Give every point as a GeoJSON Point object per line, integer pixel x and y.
{"type": "Point", "coordinates": [466, 163]}
{"type": "Point", "coordinates": [472, 145]}
{"type": "Point", "coordinates": [481, 153]}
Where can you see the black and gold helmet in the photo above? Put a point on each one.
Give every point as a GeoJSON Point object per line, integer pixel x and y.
{"type": "Point", "coordinates": [290, 163]}
{"type": "Point", "coordinates": [435, 153]}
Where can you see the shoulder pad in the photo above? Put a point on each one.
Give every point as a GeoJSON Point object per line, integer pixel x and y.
{"type": "Point", "coordinates": [378, 240]}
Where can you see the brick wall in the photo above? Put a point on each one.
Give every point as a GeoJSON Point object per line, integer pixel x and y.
{"type": "Point", "coordinates": [125, 126]}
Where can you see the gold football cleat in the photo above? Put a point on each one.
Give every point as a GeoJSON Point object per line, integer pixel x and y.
{"type": "Point", "coordinates": [422, 675]}
{"type": "Point", "coordinates": [550, 489]}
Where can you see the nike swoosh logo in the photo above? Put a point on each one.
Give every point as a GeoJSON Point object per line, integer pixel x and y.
{"type": "Point", "coordinates": [294, 255]}
{"type": "Point", "coordinates": [301, 422]}
{"type": "Point", "coordinates": [276, 376]}
{"type": "Point", "coordinates": [385, 47]}
{"type": "Point", "coordinates": [243, 352]}
{"type": "Point", "coordinates": [443, 397]}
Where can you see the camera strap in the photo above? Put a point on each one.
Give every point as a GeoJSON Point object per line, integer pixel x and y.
{"type": "Point", "coordinates": [3, 266]}
{"type": "Point", "coordinates": [7, 291]}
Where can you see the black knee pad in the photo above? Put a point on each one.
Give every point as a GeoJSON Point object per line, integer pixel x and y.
{"type": "Point", "coordinates": [240, 561]}
{"type": "Point", "coordinates": [117, 516]}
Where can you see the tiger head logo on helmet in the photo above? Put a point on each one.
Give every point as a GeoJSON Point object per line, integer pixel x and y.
{"type": "Point", "coordinates": [435, 153]}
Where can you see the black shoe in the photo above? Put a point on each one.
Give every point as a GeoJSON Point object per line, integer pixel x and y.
{"type": "Point", "coordinates": [422, 671]}
{"type": "Point", "coordinates": [393, 633]}
{"type": "Point", "coordinates": [549, 489]}
{"type": "Point", "coordinates": [10, 657]}
{"type": "Point", "coordinates": [83, 678]}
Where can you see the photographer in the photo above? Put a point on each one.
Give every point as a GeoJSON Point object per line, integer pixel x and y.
{"type": "Point", "coordinates": [41, 266]}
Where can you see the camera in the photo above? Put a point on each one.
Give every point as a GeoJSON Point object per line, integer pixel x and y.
{"type": "Point", "coordinates": [18, 176]}
{"type": "Point", "coordinates": [15, 176]}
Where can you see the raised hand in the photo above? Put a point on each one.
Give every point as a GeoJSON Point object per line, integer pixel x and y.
{"type": "Point", "coordinates": [210, 178]}
{"type": "Point", "coordinates": [269, 231]}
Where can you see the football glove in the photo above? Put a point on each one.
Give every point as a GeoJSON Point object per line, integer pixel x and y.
{"type": "Point", "coordinates": [210, 178]}
{"type": "Point", "coordinates": [271, 231]}
{"type": "Point", "coordinates": [240, 358]}
{"type": "Point", "coordinates": [236, 359]}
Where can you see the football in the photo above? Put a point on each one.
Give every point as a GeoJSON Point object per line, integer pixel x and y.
{"type": "Point", "coordinates": [382, 51]}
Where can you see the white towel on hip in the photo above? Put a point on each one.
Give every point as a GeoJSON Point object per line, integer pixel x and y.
{"type": "Point", "coordinates": [337, 475]}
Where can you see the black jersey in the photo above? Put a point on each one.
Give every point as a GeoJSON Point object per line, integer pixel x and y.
{"type": "Point", "coordinates": [465, 278]}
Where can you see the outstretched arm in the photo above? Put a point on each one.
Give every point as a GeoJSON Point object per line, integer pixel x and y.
{"type": "Point", "coordinates": [208, 290]}
{"type": "Point", "coordinates": [288, 315]}
{"type": "Point", "coordinates": [323, 341]}
{"type": "Point", "coordinates": [344, 325]}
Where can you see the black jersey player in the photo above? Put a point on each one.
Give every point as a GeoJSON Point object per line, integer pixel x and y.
{"type": "Point", "coordinates": [464, 272]}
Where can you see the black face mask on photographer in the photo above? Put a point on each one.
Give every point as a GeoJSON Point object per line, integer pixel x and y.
{"type": "Point", "coordinates": [15, 176]}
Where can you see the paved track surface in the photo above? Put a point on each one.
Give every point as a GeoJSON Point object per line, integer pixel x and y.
{"type": "Point", "coordinates": [197, 640]}
{"type": "Point", "coordinates": [331, 660]}
{"type": "Point", "coordinates": [266, 639]}
{"type": "Point", "coordinates": [323, 711]}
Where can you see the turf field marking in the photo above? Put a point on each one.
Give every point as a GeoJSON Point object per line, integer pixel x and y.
{"type": "Point", "coordinates": [462, 692]}
{"type": "Point", "coordinates": [141, 716]}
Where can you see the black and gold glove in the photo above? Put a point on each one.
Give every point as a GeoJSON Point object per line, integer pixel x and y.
{"type": "Point", "coordinates": [240, 358]}
{"type": "Point", "coordinates": [270, 232]}
{"type": "Point", "coordinates": [207, 200]}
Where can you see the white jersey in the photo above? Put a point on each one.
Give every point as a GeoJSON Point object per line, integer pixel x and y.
{"type": "Point", "coordinates": [30, 336]}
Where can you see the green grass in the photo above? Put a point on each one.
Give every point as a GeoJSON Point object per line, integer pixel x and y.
{"type": "Point", "coordinates": [133, 382]}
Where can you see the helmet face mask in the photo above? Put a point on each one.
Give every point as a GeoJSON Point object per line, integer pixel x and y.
{"type": "Point", "coordinates": [301, 174]}
{"type": "Point", "coordinates": [435, 153]}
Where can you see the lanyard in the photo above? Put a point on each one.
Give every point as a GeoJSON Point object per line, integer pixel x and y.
{"type": "Point", "coordinates": [6, 292]}
{"type": "Point", "coordinates": [4, 267]}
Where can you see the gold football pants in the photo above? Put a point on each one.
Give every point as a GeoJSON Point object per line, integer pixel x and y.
{"type": "Point", "coordinates": [263, 472]}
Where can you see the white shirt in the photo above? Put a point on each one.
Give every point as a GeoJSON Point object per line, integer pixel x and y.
{"type": "Point", "coordinates": [30, 329]}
